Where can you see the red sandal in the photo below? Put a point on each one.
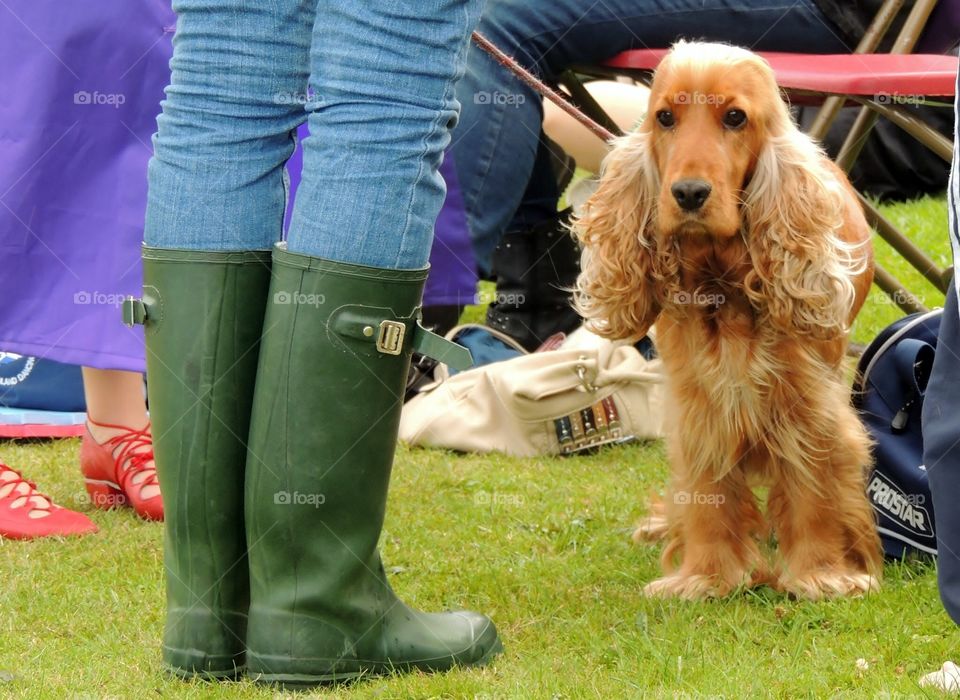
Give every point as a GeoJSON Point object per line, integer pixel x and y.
{"type": "Point", "coordinates": [111, 480]}
{"type": "Point", "coordinates": [25, 513]}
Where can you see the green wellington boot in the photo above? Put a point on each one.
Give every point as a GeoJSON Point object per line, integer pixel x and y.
{"type": "Point", "coordinates": [333, 364]}
{"type": "Point", "coordinates": [203, 315]}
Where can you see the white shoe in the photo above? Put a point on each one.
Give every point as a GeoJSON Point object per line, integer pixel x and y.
{"type": "Point", "coordinates": [946, 679]}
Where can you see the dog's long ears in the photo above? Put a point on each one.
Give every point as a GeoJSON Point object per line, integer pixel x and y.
{"type": "Point", "coordinates": [615, 291]}
{"type": "Point", "coordinates": [802, 269]}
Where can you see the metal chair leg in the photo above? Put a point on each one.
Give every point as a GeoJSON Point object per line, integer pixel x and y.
{"type": "Point", "coordinates": [919, 260]}
{"type": "Point", "coordinates": [894, 289]}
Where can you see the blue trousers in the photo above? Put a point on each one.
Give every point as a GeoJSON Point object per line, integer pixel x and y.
{"type": "Point", "coordinates": [941, 452]}
{"type": "Point", "coordinates": [501, 160]}
{"type": "Point", "coordinates": [375, 81]}
{"type": "Point", "coordinates": [941, 416]}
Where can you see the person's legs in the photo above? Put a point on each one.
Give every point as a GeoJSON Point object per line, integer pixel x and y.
{"type": "Point", "coordinates": [941, 452]}
{"type": "Point", "coordinates": [115, 397]}
{"type": "Point", "coordinates": [941, 406]}
{"type": "Point", "coordinates": [497, 139]}
{"type": "Point", "coordinates": [117, 449]}
{"type": "Point", "coordinates": [339, 331]}
{"type": "Point", "coordinates": [237, 89]}
{"type": "Point", "coordinates": [215, 206]}
{"type": "Point", "coordinates": [383, 85]}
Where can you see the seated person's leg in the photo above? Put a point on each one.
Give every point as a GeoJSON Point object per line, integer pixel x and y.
{"type": "Point", "coordinates": [536, 262]}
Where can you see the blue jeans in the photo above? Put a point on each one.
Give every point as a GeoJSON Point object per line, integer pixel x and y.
{"type": "Point", "coordinates": [375, 81]}
{"type": "Point", "coordinates": [500, 155]}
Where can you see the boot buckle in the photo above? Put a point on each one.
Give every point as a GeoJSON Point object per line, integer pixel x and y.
{"type": "Point", "coordinates": [134, 311]}
{"type": "Point", "coordinates": [390, 338]}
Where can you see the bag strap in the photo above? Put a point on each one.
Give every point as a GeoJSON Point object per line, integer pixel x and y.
{"type": "Point", "coordinates": [913, 360]}
{"type": "Point", "coordinates": [451, 335]}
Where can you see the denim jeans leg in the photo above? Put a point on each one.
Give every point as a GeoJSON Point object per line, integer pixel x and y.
{"type": "Point", "coordinates": [496, 141]}
{"type": "Point", "coordinates": [237, 88]}
{"type": "Point", "coordinates": [381, 109]}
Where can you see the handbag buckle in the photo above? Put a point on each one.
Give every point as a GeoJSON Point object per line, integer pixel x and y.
{"type": "Point", "coordinates": [582, 375]}
{"type": "Point", "coordinates": [390, 338]}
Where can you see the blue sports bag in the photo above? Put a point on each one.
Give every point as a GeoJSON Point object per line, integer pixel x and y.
{"type": "Point", "coordinates": [888, 394]}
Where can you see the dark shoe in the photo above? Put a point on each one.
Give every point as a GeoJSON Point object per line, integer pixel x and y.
{"type": "Point", "coordinates": [534, 270]}
{"type": "Point", "coordinates": [322, 439]}
{"type": "Point", "coordinates": [204, 316]}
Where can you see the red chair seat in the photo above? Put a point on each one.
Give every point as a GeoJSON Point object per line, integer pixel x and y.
{"type": "Point", "coordinates": [843, 74]}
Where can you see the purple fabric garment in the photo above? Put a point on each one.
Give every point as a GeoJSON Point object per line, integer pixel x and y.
{"type": "Point", "coordinates": [453, 269]}
{"type": "Point", "coordinates": [80, 87]}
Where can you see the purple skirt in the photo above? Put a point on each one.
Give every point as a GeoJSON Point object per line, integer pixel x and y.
{"type": "Point", "coordinates": [82, 85]}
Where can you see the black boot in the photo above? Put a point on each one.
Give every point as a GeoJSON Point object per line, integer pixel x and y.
{"type": "Point", "coordinates": [534, 270]}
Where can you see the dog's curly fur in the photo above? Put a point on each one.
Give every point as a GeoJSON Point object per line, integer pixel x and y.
{"type": "Point", "coordinates": [752, 295]}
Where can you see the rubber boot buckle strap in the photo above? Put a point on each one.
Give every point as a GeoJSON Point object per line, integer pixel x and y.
{"type": "Point", "coordinates": [440, 349]}
{"type": "Point", "coordinates": [134, 312]}
{"type": "Point", "coordinates": [390, 338]}
{"type": "Point", "coordinates": [390, 342]}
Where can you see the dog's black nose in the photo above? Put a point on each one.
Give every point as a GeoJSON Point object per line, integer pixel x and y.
{"type": "Point", "coordinates": [690, 194]}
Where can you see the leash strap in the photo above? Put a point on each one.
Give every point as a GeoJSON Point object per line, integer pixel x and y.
{"type": "Point", "coordinates": [530, 79]}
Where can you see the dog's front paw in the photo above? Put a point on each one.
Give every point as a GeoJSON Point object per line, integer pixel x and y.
{"type": "Point", "coordinates": [688, 587]}
{"type": "Point", "coordinates": [829, 584]}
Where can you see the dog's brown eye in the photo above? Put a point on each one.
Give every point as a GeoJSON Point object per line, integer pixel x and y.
{"type": "Point", "coordinates": [665, 118]}
{"type": "Point", "coordinates": [734, 118]}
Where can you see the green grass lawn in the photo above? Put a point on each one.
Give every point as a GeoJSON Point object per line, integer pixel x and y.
{"type": "Point", "coordinates": [549, 557]}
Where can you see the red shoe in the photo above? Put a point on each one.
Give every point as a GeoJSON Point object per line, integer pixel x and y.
{"type": "Point", "coordinates": [112, 481]}
{"type": "Point", "coordinates": [25, 513]}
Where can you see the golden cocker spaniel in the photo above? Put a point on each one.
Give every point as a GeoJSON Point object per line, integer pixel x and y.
{"type": "Point", "coordinates": [728, 227]}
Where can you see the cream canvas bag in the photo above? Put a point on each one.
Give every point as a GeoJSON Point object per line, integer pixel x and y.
{"type": "Point", "coordinates": [587, 393]}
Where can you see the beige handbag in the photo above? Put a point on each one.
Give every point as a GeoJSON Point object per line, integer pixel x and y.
{"type": "Point", "coordinates": [587, 393]}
